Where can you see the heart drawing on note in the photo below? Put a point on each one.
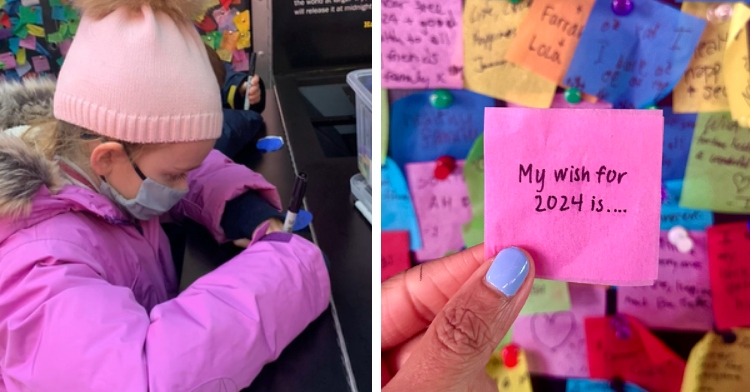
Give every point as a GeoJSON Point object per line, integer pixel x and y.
{"type": "Point", "coordinates": [741, 181]}
{"type": "Point", "coordinates": [552, 329]}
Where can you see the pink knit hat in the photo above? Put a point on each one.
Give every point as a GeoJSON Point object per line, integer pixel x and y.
{"type": "Point", "coordinates": [138, 72]}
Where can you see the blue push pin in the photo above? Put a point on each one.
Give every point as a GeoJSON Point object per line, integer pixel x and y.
{"type": "Point", "coordinates": [304, 218]}
{"type": "Point", "coordinates": [270, 144]}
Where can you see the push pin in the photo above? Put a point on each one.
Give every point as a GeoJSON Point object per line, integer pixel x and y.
{"type": "Point", "coordinates": [679, 237]}
{"type": "Point", "coordinates": [444, 166]}
{"type": "Point", "coordinates": [622, 7]}
{"type": "Point", "coordinates": [617, 384]}
{"type": "Point", "coordinates": [510, 356]}
{"type": "Point", "coordinates": [727, 336]}
{"type": "Point", "coordinates": [720, 13]}
{"type": "Point", "coordinates": [573, 95]}
{"type": "Point", "coordinates": [620, 325]}
{"type": "Point", "coordinates": [652, 107]}
{"type": "Point", "coordinates": [441, 99]}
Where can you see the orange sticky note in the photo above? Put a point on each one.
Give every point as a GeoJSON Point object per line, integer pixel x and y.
{"type": "Point", "coordinates": [229, 40]}
{"type": "Point", "coordinates": [548, 36]}
{"type": "Point", "coordinates": [242, 21]}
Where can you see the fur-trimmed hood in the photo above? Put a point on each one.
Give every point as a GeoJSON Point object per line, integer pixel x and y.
{"type": "Point", "coordinates": [26, 103]}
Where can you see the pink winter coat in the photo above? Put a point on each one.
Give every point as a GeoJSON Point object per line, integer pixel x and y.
{"type": "Point", "coordinates": [89, 301]}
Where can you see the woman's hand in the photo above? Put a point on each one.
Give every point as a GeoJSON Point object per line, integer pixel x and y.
{"type": "Point", "coordinates": [441, 320]}
{"type": "Point", "coordinates": [274, 225]}
{"type": "Point", "coordinates": [254, 94]}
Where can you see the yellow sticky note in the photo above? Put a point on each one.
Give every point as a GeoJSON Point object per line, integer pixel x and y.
{"type": "Point", "coordinates": [224, 55]}
{"type": "Point", "coordinates": [702, 87]}
{"type": "Point", "coordinates": [515, 379]}
{"type": "Point", "coordinates": [384, 124]}
{"type": "Point", "coordinates": [243, 41]}
{"type": "Point", "coordinates": [715, 366]}
{"type": "Point", "coordinates": [21, 56]}
{"type": "Point", "coordinates": [211, 4]}
{"type": "Point", "coordinates": [37, 31]}
{"type": "Point", "coordinates": [242, 21]}
{"type": "Point", "coordinates": [736, 66]}
{"type": "Point", "coordinates": [2, 3]}
{"type": "Point", "coordinates": [489, 29]}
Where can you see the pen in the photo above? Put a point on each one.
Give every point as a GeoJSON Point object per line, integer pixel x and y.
{"type": "Point", "coordinates": [300, 183]}
{"type": "Point", "coordinates": [250, 74]}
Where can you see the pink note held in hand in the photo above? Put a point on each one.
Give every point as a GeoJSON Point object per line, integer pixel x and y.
{"type": "Point", "coordinates": [577, 188]}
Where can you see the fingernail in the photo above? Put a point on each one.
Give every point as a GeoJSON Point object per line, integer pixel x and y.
{"type": "Point", "coordinates": [508, 271]}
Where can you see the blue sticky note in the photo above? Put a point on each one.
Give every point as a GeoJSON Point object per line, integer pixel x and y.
{"type": "Point", "coordinates": [674, 215]}
{"type": "Point", "coordinates": [58, 13]}
{"type": "Point", "coordinates": [41, 50]}
{"type": "Point", "coordinates": [12, 75]}
{"type": "Point", "coordinates": [633, 61]}
{"type": "Point", "coordinates": [14, 44]}
{"type": "Point", "coordinates": [585, 385]}
{"type": "Point", "coordinates": [422, 133]}
{"type": "Point", "coordinates": [397, 210]}
{"type": "Point", "coordinates": [678, 134]}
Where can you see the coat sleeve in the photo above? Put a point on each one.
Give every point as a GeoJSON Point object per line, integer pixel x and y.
{"type": "Point", "coordinates": [217, 181]}
{"type": "Point", "coordinates": [230, 96]}
{"type": "Point", "coordinates": [65, 328]}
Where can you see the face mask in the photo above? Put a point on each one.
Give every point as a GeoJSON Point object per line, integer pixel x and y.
{"type": "Point", "coordinates": [153, 199]}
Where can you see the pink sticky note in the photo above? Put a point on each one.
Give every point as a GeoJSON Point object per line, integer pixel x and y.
{"type": "Point", "coordinates": [422, 44]}
{"type": "Point", "coordinates": [240, 61]}
{"type": "Point", "coordinates": [394, 256]}
{"type": "Point", "coordinates": [441, 206]}
{"type": "Point", "coordinates": [29, 42]}
{"type": "Point", "coordinates": [555, 343]}
{"type": "Point", "coordinates": [65, 46]}
{"type": "Point", "coordinates": [41, 64]}
{"type": "Point", "coordinates": [559, 102]}
{"type": "Point", "coordinates": [577, 188]}
{"type": "Point", "coordinates": [681, 297]}
{"type": "Point", "coordinates": [8, 59]}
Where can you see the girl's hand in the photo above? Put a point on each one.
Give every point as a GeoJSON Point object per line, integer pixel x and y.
{"type": "Point", "coordinates": [441, 320]}
{"type": "Point", "coordinates": [254, 94]}
{"type": "Point", "coordinates": [275, 226]}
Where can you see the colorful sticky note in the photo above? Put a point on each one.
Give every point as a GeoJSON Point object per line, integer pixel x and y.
{"type": "Point", "coordinates": [30, 15]}
{"type": "Point", "coordinates": [240, 61]}
{"type": "Point", "coordinates": [224, 55]}
{"type": "Point", "coordinates": [5, 20]}
{"type": "Point", "coordinates": [547, 296]}
{"type": "Point", "coordinates": [397, 210]}
{"type": "Point", "coordinates": [678, 133]}
{"type": "Point", "coordinates": [72, 14]}
{"type": "Point", "coordinates": [55, 3]}
{"type": "Point", "coordinates": [473, 231]}
{"type": "Point", "coordinates": [702, 88]}
{"type": "Point", "coordinates": [394, 253]}
{"type": "Point", "coordinates": [54, 38]}
{"type": "Point", "coordinates": [442, 206]}
{"type": "Point", "coordinates": [674, 215]}
{"type": "Point", "coordinates": [8, 59]}
{"type": "Point", "coordinates": [510, 379]}
{"type": "Point", "coordinates": [229, 40]}
{"type": "Point", "coordinates": [21, 57]}
{"type": "Point", "coordinates": [243, 42]}
{"type": "Point", "coordinates": [555, 343]}
{"type": "Point", "coordinates": [587, 385]}
{"type": "Point", "coordinates": [212, 39]}
{"type": "Point", "coordinates": [59, 14]}
{"type": "Point", "coordinates": [242, 21]}
{"type": "Point", "coordinates": [65, 47]}
{"type": "Point", "coordinates": [633, 354]}
{"type": "Point", "coordinates": [633, 61]}
{"type": "Point", "coordinates": [714, 365]}
{"type": "Point", "coordinates": [422, 44]}
{"type": "Point", "coordinates": [680, 299]}
{"type": "Point", "coordinates": [559, 102]}
{"type": "Point", "coordinates": [72, 27]}
{"type": "Point", "coordinates": [29, 2]}
{"type": "Point", "coordinates": [490, 27]}
{"type": "Point", "coordinates": [41, 64]}
{"type": "Point", "coordinates": [6, 33]}
{"type": "Point", "coordinates": [14, 44]}
{"type": "Point", "coordinates": [736, 65]}
{"type": "Point", "coordinates": [28, 42]}
{"type": "Point", "coordinates": [547, 38]}
{"type": "Point", "coordinates": [224, 18]}
{"type": "Point", "coordinates": [384, 123]}
{"type": "Point", "coordinates": [420, 132]}
{"type": "Point", "coordinates": [717, 176]}
{"type": "Point", "coordinates": [729, 267]}
{"type": "Point", "coordinates": [23, 69]}
{"type": "Point", "coordinates": [577, 208]}
{"type": "Point", "coordinates": [21, 30]}
{"type": "Point", "coordinates": [37, 31]}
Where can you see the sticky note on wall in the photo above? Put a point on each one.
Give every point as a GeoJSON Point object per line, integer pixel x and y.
{"type": "Point", "coordinates": [422, 45]}
{"type": "Point", "coordinates": [577, 208]}
{"type": "Point", "coordinates": [714, 365]}
{"type": "Point", "coordinates": [729, 267]}
{"type": "Point", "coordinates": [510, 379]}
{"type": "Point", "coordinates": [678, 134]}
{"type": "Point", "coordinates": [489, 29]}
{"type": "Point", "coordinates": [473, 231]}
{"type": "Point", "coordinates": [397, 210]}
{"type": "Point", "coordinates": [736, 64]}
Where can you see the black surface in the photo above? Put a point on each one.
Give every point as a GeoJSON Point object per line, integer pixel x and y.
{"type": "Point", "coordinates": [313, 361]}
{"type": "Point", "coordinates": [340, 230]}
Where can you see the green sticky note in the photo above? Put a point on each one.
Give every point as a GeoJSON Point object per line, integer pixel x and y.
{"type": "Point", "coordinates": [26, 15]}
{"type": "Point", "coordinates": [384, 124]}
{"type": "Point", "coordinates": [63, 30]}
{"type": "Point", "coordinates": [21, 31]}
{"type": "Point", "coordinates": [2, 65]}
{"type": "Point", "coordinates": [54, 3]}
{"type": "Point", "coordinates": [717, 176]}
{"type": "Point", "coordinates": [54, 38]}
{"type": "Point", "coordinates": [71, 14]}
{"type": "Point", "coordinates": [73, 27]}
{"type": "Point", "coordinates": [547, 296]}
{"type": "Point", "coordinates": [473, 231]}
{"type": "Point", "coordinates": [60, 61]}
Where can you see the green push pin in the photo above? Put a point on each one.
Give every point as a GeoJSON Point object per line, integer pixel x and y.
{"type": "Point", "coordinates": [573, 95]}
{"type": "Point", "coordinates": [441, 99]}
{"type": "Point", "coordinates": [652, 107]}
{"type": "Point", "coordinates": [514, 1]}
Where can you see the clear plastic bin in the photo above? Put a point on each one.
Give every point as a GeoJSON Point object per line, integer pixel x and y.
{"type": "Point", "coordinates": [361, 82]}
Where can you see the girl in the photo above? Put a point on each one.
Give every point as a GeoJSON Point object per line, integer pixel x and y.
{"type": "Point", "coordinates": [88, 292]}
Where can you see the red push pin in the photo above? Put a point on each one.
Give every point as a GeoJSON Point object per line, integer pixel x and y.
{"type": "Point", "coordinates": [510, 356]}
{"type": "Point", "coordinates": [444, 167]}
